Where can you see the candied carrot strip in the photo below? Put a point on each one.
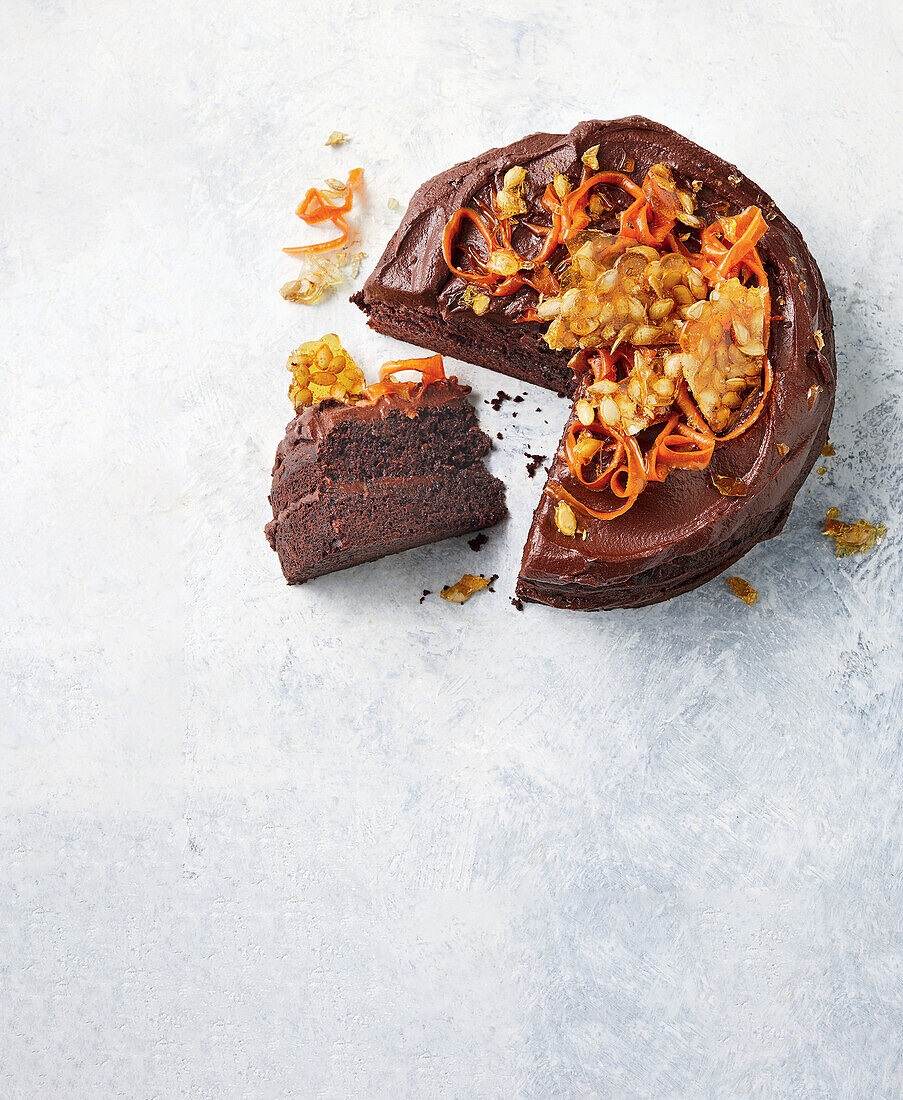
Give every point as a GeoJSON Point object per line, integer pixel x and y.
{"type": "Point", "coordinates": [315, 208]}
{"type": "Point", "coordinates": [575, 465]}
{"type": "Point", "coordinates": [558, 492]}
{"type": "Point", "coordinates": [326, 210]}
{"type": "Point", "coordinates": [323, 246]}
{"type": "Point", "coordinates": [430, 367]}
{"type": "Point", "coordinates": [746, 231]}
{"type": "Point", "coordinates": [496, 239]}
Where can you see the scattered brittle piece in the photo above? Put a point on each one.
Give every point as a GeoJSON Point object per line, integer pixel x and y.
{"type": "Point", "coordinates": [591, 158]}
{"type": "Point", "coordinates": [463, 589]}
{"type": "Point", "coordinates": [509, 201]}
{"type": "Point", "coordinates": [565, 519]}
{"type": "Point", "coordinates": [336, 138]}
{"type": "Point", "coordinates": [475, 300]}
{"type": "Point", "coordinates": [729, 486]}
{"type": "Point", "coordinates": [320, 369]}
{"type": "Point", "coordinates": [828, 451]}
{"type": "Point", "coordinates": [317, 277]}
{"type": "Point", "coordinates": [743, 590]}
{"type": "Point", "coordinates": [852, 538]}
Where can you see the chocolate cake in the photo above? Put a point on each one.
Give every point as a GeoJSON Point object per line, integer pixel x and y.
{"type": "Point", "coordinates": [355, 480]}
{"type": "Point", "coordinates": [628, 267]}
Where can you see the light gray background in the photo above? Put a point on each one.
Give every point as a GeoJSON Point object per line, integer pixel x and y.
{"type": "Point", "coordinates": [329, 842]}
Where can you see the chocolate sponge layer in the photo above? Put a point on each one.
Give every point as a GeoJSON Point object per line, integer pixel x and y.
{"type": "Point", "coordinates": [343, 525]}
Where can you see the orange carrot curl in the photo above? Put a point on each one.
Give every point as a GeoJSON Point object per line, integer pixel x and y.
{"type": "Point", "coordinates": [317, 207]}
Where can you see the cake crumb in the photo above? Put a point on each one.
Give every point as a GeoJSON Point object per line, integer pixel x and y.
{"type": "Point", "coordinates": [478, 541]}
{"type": "Point", "coordinates": [517, 399]}
{"type": "Point", "coordinates": [336, 138]}
{"type": "Point", "coordinates": [500, 398]}
{"type": "Point", "coordinates": [535, 462]}
{"type": "Point", "coordinates": [498, 435]}
{"type": "Point", "coordinates": [426, 592]}
{"type": "Point", "coordinates": [518, 605]}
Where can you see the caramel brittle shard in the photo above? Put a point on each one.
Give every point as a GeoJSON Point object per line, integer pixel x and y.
{"type": "Point", "coordinates": [336, 138]}
{"type": "Point", "coordinates": [638, 399]}
{"type": "Point", "coordinates": [509, 201]}
{"type": "Point", "coordinates": [591, 158]}
{"type": "Point", "coordinates": [322, 368]}
{"type": "Point", "coordinates": [475, 300]}
{"type": "Point", "coordinates": [743, 590]}
{"type": "Point", "coordinates": [723, 345]}
{"type": "Point", "coordinates": [852, 538]}
{"type": "Point", "coordinates": [565, 519]}
{"type": "Point", "coordinates": [729, 486]}
{"type": "Point", "coordinates": [463, 589]}
{"type": "Point", "coordinates": [318, 276]}
{"type": "Point", "coordinates": [619, 292]}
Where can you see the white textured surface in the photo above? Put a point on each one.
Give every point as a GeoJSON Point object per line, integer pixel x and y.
{"type": "Point", "coordinates": [327, 842]}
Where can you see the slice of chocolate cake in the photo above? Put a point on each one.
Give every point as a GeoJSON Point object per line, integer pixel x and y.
{"type": "Point", "coordinates": [625, 264]}
{"type": "Point", "coordinates": [395, 467]}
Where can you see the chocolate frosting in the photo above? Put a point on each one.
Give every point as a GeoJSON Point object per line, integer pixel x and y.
{"type": "Point", "coordinates": [317, 421]}
{"type": "Point", "coordinates": [684, 516]}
